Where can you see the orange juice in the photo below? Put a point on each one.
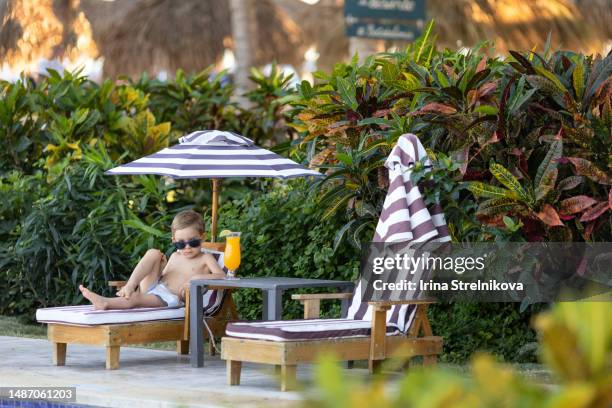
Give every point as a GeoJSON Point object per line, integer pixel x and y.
{"type": "Point", "coordinates": [232, 252]}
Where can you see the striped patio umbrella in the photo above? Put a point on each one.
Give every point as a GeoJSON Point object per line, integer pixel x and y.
{"type": "Point", "coordinates": [405, 218]}
{"type": "Point", "coordinates": [215, 154]}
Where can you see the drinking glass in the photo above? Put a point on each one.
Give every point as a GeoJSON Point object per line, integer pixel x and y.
{"type": "Point", "coordinates": [231, 258]}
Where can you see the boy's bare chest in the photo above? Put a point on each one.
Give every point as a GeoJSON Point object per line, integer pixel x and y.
{"type": "Point", "coordinates": [190, 266]}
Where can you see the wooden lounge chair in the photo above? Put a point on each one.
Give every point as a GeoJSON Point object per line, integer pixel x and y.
{"type": "Point", "coordinates": [372, 331]}
{"type": "Point", "coordinates": [114, 328]}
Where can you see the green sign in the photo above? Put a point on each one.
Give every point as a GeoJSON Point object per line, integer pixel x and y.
{"type": "Point", "coordinates": [385, 9]}
{"type": "Point", "coordinates": [385, 31]}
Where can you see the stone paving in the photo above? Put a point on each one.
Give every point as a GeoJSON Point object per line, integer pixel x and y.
{"type": "Point", "coordinates": [146, 378]}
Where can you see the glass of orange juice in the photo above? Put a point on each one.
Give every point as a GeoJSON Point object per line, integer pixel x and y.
{"type": "Point", "coordinates": [231, 258]}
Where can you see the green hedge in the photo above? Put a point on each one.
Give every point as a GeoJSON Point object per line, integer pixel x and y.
{"type": "Point", "coordinates": [282, 236]}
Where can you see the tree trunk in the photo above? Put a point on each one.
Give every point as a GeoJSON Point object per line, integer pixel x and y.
{"type": "Point", "coordinates": [243, 33]}
{"type": "Point", "coordinates": [365, 47]}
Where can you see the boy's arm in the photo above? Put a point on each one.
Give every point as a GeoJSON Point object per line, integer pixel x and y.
{"type": "Point", "coordinates": [215, 273]}
{"type": "Point", "coordinates": [215, 270]}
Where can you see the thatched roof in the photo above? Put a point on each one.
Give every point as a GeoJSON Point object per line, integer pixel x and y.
{"type": "Point", "coordinates": [579, 25]}
{"type": "Point", "coordinates": [155, 35]}
{"type": "Point", "coordinates": [44, 29]}
{"type": "Point", "coordinates": [516, 25]}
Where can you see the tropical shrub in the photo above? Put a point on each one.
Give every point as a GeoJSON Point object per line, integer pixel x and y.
{"type": "Point", "coordinates": [20, 129]}
{"type": "Point", "coordinates": [519, 146]}
{"type": "Point", "coordinates": [281, 236]}
{"type": "Point", "coordinates": [265, 122]}
{"type": "Point", "coordinates": [63, 222]}
{"type": "Point", "coordinates": [83, 227]}
{"type": "Point", "coordinates": [192, 102]}
{"type": "Point", "coordinates": [522, 122]}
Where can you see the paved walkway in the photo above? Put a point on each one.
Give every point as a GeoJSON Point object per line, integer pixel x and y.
{"type": "Point", "coordinates": [146, 378]}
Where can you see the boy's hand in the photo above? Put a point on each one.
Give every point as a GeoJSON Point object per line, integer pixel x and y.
{"type": "Point", "coordinates": [126, 291]}
{"type": "Point", "coordinates": [182, 292]}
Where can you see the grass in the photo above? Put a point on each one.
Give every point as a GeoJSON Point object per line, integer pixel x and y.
{"type": "Point", "coordinates": [18, 327]}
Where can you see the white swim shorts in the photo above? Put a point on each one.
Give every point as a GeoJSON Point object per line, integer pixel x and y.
{"type": "Point", "coordinates": [161, 291]}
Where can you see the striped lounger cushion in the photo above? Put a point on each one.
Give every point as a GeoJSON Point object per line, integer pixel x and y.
{"type": "Point", "coordinates": [85, 315]}
{"type": "Point", "coordinates": [300, 330]}
{"type": "Point", "coordinates": [357, 324]}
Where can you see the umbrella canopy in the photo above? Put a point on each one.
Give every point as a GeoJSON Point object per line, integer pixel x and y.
{"type": "Point", "coordinates": [404, 216]}
{"type": "Point", "coordinates": [405, 222]}
{"type": "Point", "coordinates": [215, 154]}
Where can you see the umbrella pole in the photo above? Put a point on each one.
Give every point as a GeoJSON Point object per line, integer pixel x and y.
{"type": "Point", "coordinates": [215, 207]}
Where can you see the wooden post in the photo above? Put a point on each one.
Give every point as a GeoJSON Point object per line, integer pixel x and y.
{"type": "Point", "coordinates": [182, 347]}
{"type": "Point", "coordinates": [378, 336]}
{"type": "Point", "coordinates": [112, 357]}
{"type": "Point", "coordinates": [215, 208]}
{"type": "Point", "coordinates": [59, 354]}
{"type": "Point", "coordinates": [288, 377]}
{"type": "Point", "coordinates": [233, 372]}
{"type": "Point", "coordinates": [312, 308]}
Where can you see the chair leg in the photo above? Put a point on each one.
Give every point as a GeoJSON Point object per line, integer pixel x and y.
{"type": "Point", "coordinates": [59, 354]}
{"type": "Point", "coordinates": [211, 346]}
{"type": "Point", "coordinates": [288, 377]}
{"type": "Point", "coordinates": [374, 366]}
{"type": "Point", "coordinates": [182, 347]}
{"type": "Point", "coordinates": [112, 357]}
{"type": "Point", "coordinates": [233, 372]}
{"type": "Point", "coordinates": [431, 360]}
{"type": "Point", "coordinates": [406, 364]}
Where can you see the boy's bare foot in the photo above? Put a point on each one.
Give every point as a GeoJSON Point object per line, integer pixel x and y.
{"type": "Point", "coordinates": [97, 301]}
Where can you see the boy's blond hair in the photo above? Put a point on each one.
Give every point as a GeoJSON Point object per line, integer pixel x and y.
{"type": "Point", "coordinates": [186, 219]}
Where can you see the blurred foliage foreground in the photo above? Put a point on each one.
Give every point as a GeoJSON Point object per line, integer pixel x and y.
{"type": "Point", "coordinates": [575, 343]}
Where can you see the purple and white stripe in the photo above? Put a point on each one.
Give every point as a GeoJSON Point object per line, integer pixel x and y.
{"type": "Point", "coordinates": [215, 154]}
{"type": "Point", "coordinates": [405, 218]}
{"type": "Point", "coordinates": [303, 330]}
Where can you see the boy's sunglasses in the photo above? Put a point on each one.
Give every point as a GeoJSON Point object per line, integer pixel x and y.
{"type": "Point", "coordinates": [194, 243]}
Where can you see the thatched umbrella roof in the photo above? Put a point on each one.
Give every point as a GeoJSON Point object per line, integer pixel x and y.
{"type": "Point", "coordinates": [516, 25]}
{"type": "Point", "coordinates": [45, 29]}
{"type": "Point", "coordinates": [597, 13]}
{"type": "Point", "coordinates": [579, 25]}
{"type": "Point", "coordinates": [156, 35]}
{"type": "Point", "coordinates": [153, 35]}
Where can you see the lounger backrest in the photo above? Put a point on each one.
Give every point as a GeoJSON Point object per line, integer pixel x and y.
{"type": "Point", "coordinates": [401, 315]}
{"type": "Point", "coordinates": [213, 299]}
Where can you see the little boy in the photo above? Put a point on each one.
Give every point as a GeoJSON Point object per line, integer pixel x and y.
{"type": "Point", "coordinates": [161, 281]}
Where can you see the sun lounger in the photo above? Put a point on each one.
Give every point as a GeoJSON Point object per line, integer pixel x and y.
{"type": "Point", "coordinates": [371, 331]}
{"type": "Point", "coordinates": [115, 328]}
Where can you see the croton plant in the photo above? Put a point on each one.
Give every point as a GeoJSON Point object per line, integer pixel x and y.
{"type": "Point", "coordinates": [526, 139]}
